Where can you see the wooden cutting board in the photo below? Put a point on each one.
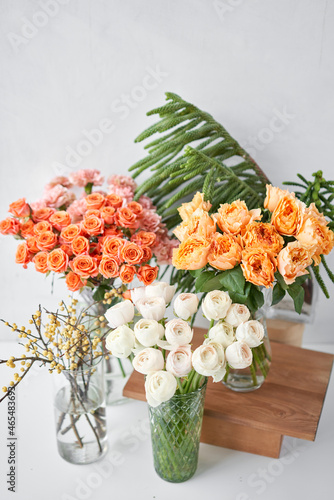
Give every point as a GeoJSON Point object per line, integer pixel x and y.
{"type": "Point", "coordinates": [289, 403]}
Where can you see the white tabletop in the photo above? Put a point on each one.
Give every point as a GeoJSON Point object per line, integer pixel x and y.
{"type": "Point", "coordinates": [126, 472]}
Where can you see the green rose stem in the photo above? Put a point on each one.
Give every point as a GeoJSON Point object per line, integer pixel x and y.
{"type": "Point", "coordinates": [179, 385]}
{"type": "Point", "coordinates": [253, 372]}
{"type": "Point", "coordinates": [121, 367]}
{"type": "Point", "coordinates": [227, 372]}
{"type": "Point", "coordinates": [259, 362]}
{"type": "Point", "coordinates": [190, 378]}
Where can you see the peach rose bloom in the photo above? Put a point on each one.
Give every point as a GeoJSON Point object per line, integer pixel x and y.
{"type": "Point", "coordinates": [43, 213]}
{"type": "Point", "coordinates": [93, 211]}
{"type": "Point", "coordinates": [112, 246]}
{"type": "Point", "coordinates": [225, 252]}
{"type": "Point", "coordinates": [23, 256]}
{"type": "Point", "coordinates": [263, 235]}
{"type": "Point", "coordinates": [95, 201]}
{"type": "Point", "coordinates": [233, 218]}
{"type": "Point", "coordinates": [109, 267]}
{"type": "Point", "coordinates": [135, 207]}
{"type": "Point", "coordinates": [11, 226]}
{"type": "Point", "coordinates": [92, 225]}
{"type": "Point", "coordinates": [41, 262]}
{"type": "Point", "coordinates": [287, 216]}
{"type": "Point", "coordinates": [32, 244]}
{"type": "Point", "coordinates": [147, 254]}
{"type": "Point", "coordinates": [85, 266]}
{"type": "Point", "coordinates": [124, 217]}
{"type": "Point", "coordinates": [316, 236]}
{"type": "Point", "coordinates": [60, 219]}
{"type": "Point", "coordinates": [292, 261]}
{"type": "Point", "coordinates": [80, 245]}
{"type": "Point", "coordinates": [127, 273]}
{"type": "Point", "coordinates": [27, 228]}
{"type": "Point", "coordinates": [144, 238]}
{"type": "Point", "coordinates": [113, 231]}
{"type": "Point", "coordinates": [192, 253]}
{"type": "Point", "coordinates": [57, 260]}
{"type": "Point", "coordinates": [67, 249]}
{"type": "Point", "coordinates": [147, 274]}
{"type": "Point", "coordinates": [69, 233]}
{"type": "Point", "coordinates": [19, 208]}
{"type": "Point", "coordinates": [108, 214]}
{"type": "Point", "coordinates": [46, 240]}
{"type": "Point", "coordinates": [131, 253]}
{"type": "Point", "coordinates": [258, 266]}
{"type": "Point", "coordinates": [74, 282]}
{"type": "Point", "coordinates": [187, 209]}
{"type": "Point", "coordinates": [114, 200]}
{"type": "Point", "coordinates": [274, 195]}
{"type": "Point", "coordinates": [312, 211]}
{"type": "Point", "coordinates": [199, 224]}
{"type": "Point", "coordinates": [42, 227]}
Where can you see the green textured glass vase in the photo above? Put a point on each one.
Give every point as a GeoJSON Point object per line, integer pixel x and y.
{"type": "Point", "coordinates": [175, 431]}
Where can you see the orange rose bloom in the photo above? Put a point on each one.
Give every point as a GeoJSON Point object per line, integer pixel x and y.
{"type": "Point", "coordinates": [109, 267]}
{"type": "Point", "coordinates": [42, 227]}
{"type": "Point", "coordinates": [258, 266]}
{"type": "Point", "coordinates": [233, 218]}
{"type": "Point", "coordinates": [147, 274]}
{"type": "Point", "coordinates": [32, 245]}
{"type": "Point", "coordinates": [95, 201]}
{"type": "Point", "coordinates": [92, 211]}
{"type": "Point", "coordinates": [127, 273]}
{"type": "Point", "coordinates": [274, 195]}
{"type": "Point", "coordinates": [57, 260]}
{"type": "Point", "coordinates": [85, 266]}
{"type": "Point", "coordinates": [23, 256]}
{"type": "Point", "coordinates": [287, 215]}
{"type": "Point", "coordinates": [92, 225]}
{"type": "Point", "coordinates": [10, 226]}
{"type": "Point", "coordinates": [198, 224]}
{"type": "Point", "coordinates": [19, 208]}
{"type": "Point", "coordinates": [113, 231]}
{"type": "Point", "coordinates": [292, 261]}
{"type": "Point", "coordinates": [124, 217]}
{"type": "Point", "coordinates": [113, 200]}
{"type": "Point", "coordinates": [108, 215]}
{"type": "Point", "coordinates": [144, 238]}
{"type": "Point", "coordinates": [263, 235]}
{"type": "Point", "coordinates": [192, 253]}
{"type": "Point", "coordinates": [225, 251]}
{"type": "Point", "coordinates": [27, 228]}
{"type": "Point", "coordinates": [67, 249]}
{"type": "Point", "coordinates": [74, 282]}
{"type": "Point", "coordinates": [315, 236]}
{"type": "Point", "coordinates": [41, 262]}
{"type": "Point", "coordinates": [42, 214]}
{"type": "Point", "coordinates": [46, 241]}
{"type": "Point", "coordinates": [69, 233]}
{"type": "Point", "coordinates": [60, 219]}
{"type": "Point", "coordinates": [112, 246]}
{"type": "Point", "coordinates": [187, 209]}
{"type": "Point", "coordinates": [131, 253]}
{"type": "Point", "coordinates": [135, 207]}
{"type": "Point", "coordinates": [147, 254]}
{"type": "Point", "coordinates": [80, 245]}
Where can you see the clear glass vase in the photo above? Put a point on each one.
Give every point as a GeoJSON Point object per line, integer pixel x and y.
{"type": "Point", "coordinates": [251, 378]}
{"type": "Point", "coordinates": [175, 432]}
{"type": "Point", "coordinates": [80, 414]}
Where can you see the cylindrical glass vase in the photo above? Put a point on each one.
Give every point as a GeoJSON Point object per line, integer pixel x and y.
{"type": "Point", "coordinates": [175, 432]}
{"type": "Point", "coordinates": [80, 414]}
{"type": "Point", "coordinates": [251, 378]}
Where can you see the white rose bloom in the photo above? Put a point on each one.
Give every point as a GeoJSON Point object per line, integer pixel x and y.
{"type": "Point", "coordinates": [251, 332]}
{"type": "Point", "coordinates": [152, 308]}
{"type": "Point", "coordinates": [239, 355]}
{"type": "Point", "coordinates": [237, 314]}
{"type": "Point", "coordinates": [138, 293]}
{"type": "Point", "coordinates": [120, 313]}
{"type": "Point", "coordinates": [185, 305]}
{"type": "Point", "coordinates": [223, 333]}
{"type": "Point", "coordinates": [148, 360]}
{"type": "Point", "coordinates": [148, 332]}
{"type": "Point", "coordinates": [161, 289]}
{"type": "Point", "coordinates": [208, 359]}
{"type": "Point", "coordinates": [178, 332]}
{"type": "Point", "coordinates": [179, 361]}
{"type": "Point", "coordinates": [121, 341]}
{"type": "Point", "coordinates": [216, 304]}
{"type": "Point", "coordinates": [160, 386]}
{"type": "Point", "coordinates": [138, 347]}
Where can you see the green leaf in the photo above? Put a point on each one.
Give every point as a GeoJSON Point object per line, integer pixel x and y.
{"type": "Point", "coordinates": [256, 298]}
{"type": "Point", "coordinates": [233, 280]}
{"type": "Point", "coordinates": [278, 294]}
{"type": "Point", "coordinates": [297, 293]}
{"type": "Point", "coordinates": [205, 276]}
{"type": "Point", "coordinates": [211, 284]}
{"type": "Point", "coordinates": [281, 281]}
{"type": "Point", "coordinates": [196, 273]}
{"type": "Point", "coordinates": [99, 293]}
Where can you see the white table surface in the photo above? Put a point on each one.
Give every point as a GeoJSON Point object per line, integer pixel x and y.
{"type": "Point", "coordinates": [304, 470]}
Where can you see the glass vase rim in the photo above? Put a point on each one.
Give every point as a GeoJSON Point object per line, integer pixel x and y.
{"type": "Point", "coordinates": [187, 394]}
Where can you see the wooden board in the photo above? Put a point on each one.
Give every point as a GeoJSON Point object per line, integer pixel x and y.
{"type": "Point", "coordinates": [288, 404]}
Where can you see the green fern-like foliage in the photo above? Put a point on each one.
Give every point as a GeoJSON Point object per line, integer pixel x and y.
{"type": "Point", "coordinates": [194, 153]}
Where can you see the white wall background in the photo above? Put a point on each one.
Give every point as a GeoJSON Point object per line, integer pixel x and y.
{"type": "Point", "coordinates": [66, 65]}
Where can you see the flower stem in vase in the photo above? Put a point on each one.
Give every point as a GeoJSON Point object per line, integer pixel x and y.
{"type": "Point", "coordinates": [259, 361]}
{"type": "Point", "coordinates": [253, 372]}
